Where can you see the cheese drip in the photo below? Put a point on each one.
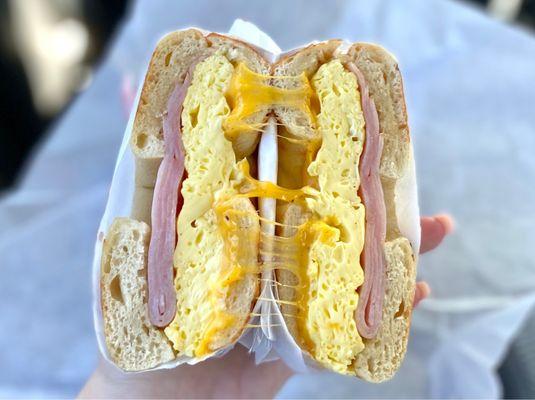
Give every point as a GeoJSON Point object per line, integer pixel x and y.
{"type": "Point", "coordinates": [250, 92]}
{"type": "Point", "coordinates": [323, 254]}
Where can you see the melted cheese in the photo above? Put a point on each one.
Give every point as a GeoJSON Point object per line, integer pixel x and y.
{"type": "Point", "coordinates": [222, 320]}
{"type": "Point", "coordinates": [255, 188]}
{"type": "Point", "coordinates": [324, 255]}
{"type": "Point", "coordinates": [250, 92]}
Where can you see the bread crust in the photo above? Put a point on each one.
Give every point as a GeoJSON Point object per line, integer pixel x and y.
{"type": "Point", "coordinates": [382, 75]}
{"type": "Point", "coordinates": [165, 70]}
{"type": "Point", "coordinates": [305, 60]}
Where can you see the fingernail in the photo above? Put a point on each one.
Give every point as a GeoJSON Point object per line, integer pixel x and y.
{"type": "Point", "coordinates": [446, 221]}
{"type": "Point", "coordinates": [426, 289]}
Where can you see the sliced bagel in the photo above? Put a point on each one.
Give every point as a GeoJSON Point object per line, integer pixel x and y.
{"type": "Point", "coordinates": [373, 359]}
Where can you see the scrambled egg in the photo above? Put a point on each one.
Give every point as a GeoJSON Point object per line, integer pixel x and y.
{"type": "Point", "coordinates": [210, 162]}
{"type": "Point", "coordinates": [333, 270]}
{"type": "Point", "coordinates": [331, 242]}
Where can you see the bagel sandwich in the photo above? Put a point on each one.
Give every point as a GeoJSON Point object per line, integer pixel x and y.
{"type": "Point", "coordinates": [181, 275]}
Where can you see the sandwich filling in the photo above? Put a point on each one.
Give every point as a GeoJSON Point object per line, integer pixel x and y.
{"type": "Point", "coordinates": [333, 270]}
{"type": "Point", "coordinates": [205, 257]}
{"type": "Point", "coordinates": [217, 229]}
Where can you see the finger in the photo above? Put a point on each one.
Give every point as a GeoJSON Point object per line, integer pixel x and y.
{"type": "Point", "coordinates": [422, 290]}
{"type": "Point", "coordinates": [434, 229]}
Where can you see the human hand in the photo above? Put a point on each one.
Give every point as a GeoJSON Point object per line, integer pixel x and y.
{"type": "Point", "coordinates": [234, 375]}
{"type": "Point", "coordinates": [434, 230]}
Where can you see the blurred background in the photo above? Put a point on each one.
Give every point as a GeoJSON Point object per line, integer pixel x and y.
{"type": "Point", "coordinates": [69, 70]}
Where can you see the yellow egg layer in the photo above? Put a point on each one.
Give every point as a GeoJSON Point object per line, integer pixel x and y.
{"type": "Point", "coordinates": [209, 162]}
{"type": "Point", "coordinates": [333, 269]}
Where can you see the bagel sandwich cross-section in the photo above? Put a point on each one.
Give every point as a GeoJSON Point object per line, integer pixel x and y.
{"type": "Point", "coordinates": [181, 275]}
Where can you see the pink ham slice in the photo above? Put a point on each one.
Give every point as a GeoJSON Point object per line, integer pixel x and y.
{"type": "Point", "coordinates": [370, 307]}
{"type": "Point", "coordinates": [161, 291]}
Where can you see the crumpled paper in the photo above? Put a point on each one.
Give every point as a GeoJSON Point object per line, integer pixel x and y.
{"type": "Point", "coordinates": [271, 339]}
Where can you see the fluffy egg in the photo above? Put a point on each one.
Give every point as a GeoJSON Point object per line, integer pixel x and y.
{"type": "Point", "coordinates": [333, 268]}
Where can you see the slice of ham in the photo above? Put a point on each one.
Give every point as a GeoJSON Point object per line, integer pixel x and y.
{"type": "Point", "coordinates": [369, 311]}
{"type": "Point", "coordinates": [161, 291]}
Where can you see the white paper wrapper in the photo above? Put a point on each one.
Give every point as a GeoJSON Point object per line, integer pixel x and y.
{"type": "Point", "coordinates": [271, 339]}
